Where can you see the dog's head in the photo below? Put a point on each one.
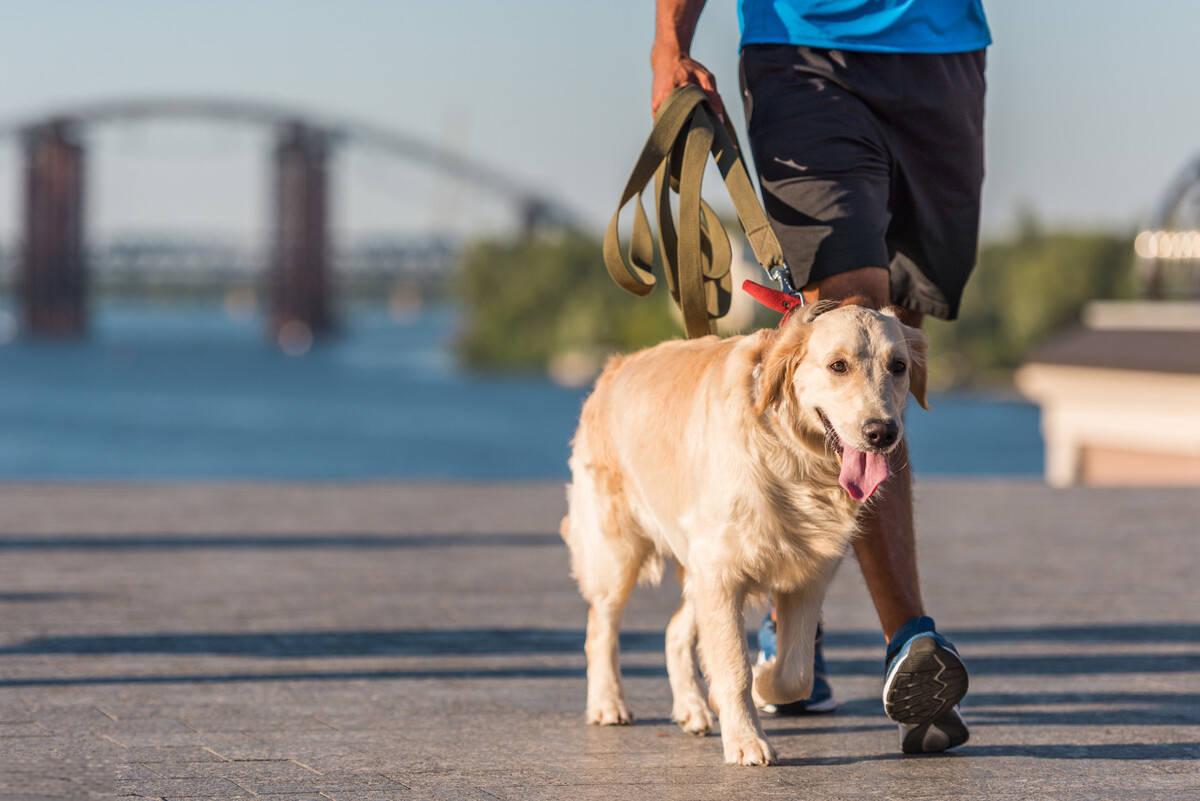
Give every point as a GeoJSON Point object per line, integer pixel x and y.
{"type": "Point", "coordinates": [837, 375]}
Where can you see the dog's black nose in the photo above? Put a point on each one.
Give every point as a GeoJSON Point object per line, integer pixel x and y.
{"type": "Point", "coordinates": [881, 433]}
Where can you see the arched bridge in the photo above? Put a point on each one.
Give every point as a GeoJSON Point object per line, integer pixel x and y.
{"type": "Point", "coordinates": [53, 269]}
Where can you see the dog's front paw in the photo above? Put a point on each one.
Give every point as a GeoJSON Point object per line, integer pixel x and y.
{"type": "Point", "coordinates": [750, 749]}
{"type": "Point", "coordinates": [693, 716]}
{"type": "Point", "coordinates": [609, 712]}
{"type": "Point", "coordinates": [771, 688]}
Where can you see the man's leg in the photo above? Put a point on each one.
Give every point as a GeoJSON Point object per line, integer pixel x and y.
{"type": "Point", "coordinates": [887, 553]}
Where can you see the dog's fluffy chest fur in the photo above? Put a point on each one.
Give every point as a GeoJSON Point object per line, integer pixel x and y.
{"type": "Point", "coordinates": [789, 528]}
{"type": "Point", "coordinates": [797, 515]}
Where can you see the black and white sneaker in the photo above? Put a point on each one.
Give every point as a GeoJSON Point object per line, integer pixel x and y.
{"type": "Point", "coordinates": [925, 680]}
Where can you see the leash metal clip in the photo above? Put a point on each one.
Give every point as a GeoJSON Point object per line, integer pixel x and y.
{"type": "Point", "coordinates": [784, 276]}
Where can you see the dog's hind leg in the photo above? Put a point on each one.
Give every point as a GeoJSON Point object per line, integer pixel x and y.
{"type": "Point", "coordinates": [689, 710]}
{"type": "Point", "coordinates": [617, 567]}
{"type": "Point", "coordinates": [607, 552]}
{"type": "Point", "coordinates": [605, 696]}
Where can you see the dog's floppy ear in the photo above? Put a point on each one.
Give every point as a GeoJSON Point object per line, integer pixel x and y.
{"type": "Point", "coordinates": [918, 372]}
{"type": "Point", "coordinates": [778, 363]}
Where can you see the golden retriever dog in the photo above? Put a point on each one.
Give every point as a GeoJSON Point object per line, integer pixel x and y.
{"type": "Point", "coordinates": [747, 460]}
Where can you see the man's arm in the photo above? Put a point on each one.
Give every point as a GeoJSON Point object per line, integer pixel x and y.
{"type": "Point", "coordinates": [674, 26]}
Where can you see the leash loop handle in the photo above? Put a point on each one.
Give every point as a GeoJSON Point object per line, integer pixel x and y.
{"type": "Point", "coordinates": [695, 253]}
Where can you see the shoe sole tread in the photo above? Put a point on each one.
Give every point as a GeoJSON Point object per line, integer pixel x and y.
{"type": "Point", "coordinates": [927, 685]}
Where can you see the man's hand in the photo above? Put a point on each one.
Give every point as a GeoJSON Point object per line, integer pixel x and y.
{"type": "Point", "coordinates": [674, 69]}
{"type": "Point", "coordinates": [674, 25]}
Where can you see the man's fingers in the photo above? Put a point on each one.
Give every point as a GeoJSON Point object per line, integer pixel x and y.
{"type": "Point", "coordinates": [687, 72]}
{"type": "Point", "coordinates": [709, 84]}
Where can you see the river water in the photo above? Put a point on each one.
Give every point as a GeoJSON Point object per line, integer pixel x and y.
{"type": "Point", "coordinates": [168, 392]}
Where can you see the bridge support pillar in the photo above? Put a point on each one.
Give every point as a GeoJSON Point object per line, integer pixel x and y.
{"type": "Point", "coordinates": [300, 286]}
{"type": "Point", "coordinates": [53, 273]}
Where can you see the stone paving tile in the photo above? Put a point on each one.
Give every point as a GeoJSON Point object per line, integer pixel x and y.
{"type": "Point", "coordinates": [140, 772]}
{"type": "Point", "coordinates": [608, 792]}
{"type": "Point", "coordinates": [125, 730]}
{"type": "Point", "coordinates": [226, 656]}
{"type": "Point", "coordinates": [448, 791]}
{"type": "Point", "coordinates": [359, 779]}
{"type": "Point", "coordinates": [24, 728]}
{"type": "Point", "coordinates": [176, 739]}
{"type": "Point", "coordinates": [152, 755]}
{"type": "Point", "coordinates": [342, 780]}
{"type": "Point", "coordinates": [178, 788]}
{"type": "Point", "coordinates": [72, 719]}
{"type": "Point", "coordinates": [284, 745]}
{"type": "Point", "coordinates": [257, 771]}
{"type": "Point", "coordinates": [248, 721]}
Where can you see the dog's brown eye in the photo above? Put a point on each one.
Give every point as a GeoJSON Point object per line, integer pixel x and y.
{"type": "Point", "coordinates": [839, 366]}
{"type": "Point", "coordinates": [898, 367]}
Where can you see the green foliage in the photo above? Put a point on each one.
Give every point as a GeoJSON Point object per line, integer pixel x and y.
{"type": "Point", "coordinates": [528, 301]}
{"type": "Point", "coordinates": [1022, 292]}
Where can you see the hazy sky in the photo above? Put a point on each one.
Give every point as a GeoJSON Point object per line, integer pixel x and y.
{"type": "Point", "coordinates": [1092, 103]}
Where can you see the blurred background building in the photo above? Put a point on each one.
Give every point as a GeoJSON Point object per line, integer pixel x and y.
{"type": "Point", "coordinates": [1120, 393]}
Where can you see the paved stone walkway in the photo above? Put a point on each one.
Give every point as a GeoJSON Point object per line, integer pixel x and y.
{"type": "Point", "coordinates": [424, 642]}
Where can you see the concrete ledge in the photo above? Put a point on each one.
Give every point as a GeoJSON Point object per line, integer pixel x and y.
{"type": "Point", "coordinates": [1092, 415]}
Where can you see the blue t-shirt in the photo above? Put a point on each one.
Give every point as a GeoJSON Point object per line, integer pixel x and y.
{"type": "Point", "coordinates": [885, 26]}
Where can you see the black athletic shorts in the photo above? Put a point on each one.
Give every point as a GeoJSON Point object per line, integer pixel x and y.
{"type": "Point", "coordinates": [871, 160]}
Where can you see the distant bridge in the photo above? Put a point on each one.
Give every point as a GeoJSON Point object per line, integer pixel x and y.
{"type": "Point", "coordinates": [166, 262]}
{"type": "Point", "coordinates": [52, 269]}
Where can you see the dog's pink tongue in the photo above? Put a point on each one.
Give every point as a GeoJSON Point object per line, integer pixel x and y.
{"type": "Point", "coordinates": [862, 472]}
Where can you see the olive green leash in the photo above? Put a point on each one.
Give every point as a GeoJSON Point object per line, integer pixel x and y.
{"type": "Point", "coordinates": [695, 252]}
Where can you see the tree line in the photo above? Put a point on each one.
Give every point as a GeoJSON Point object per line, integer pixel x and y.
{"type": "Point", "coordinates": [529, 302]}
